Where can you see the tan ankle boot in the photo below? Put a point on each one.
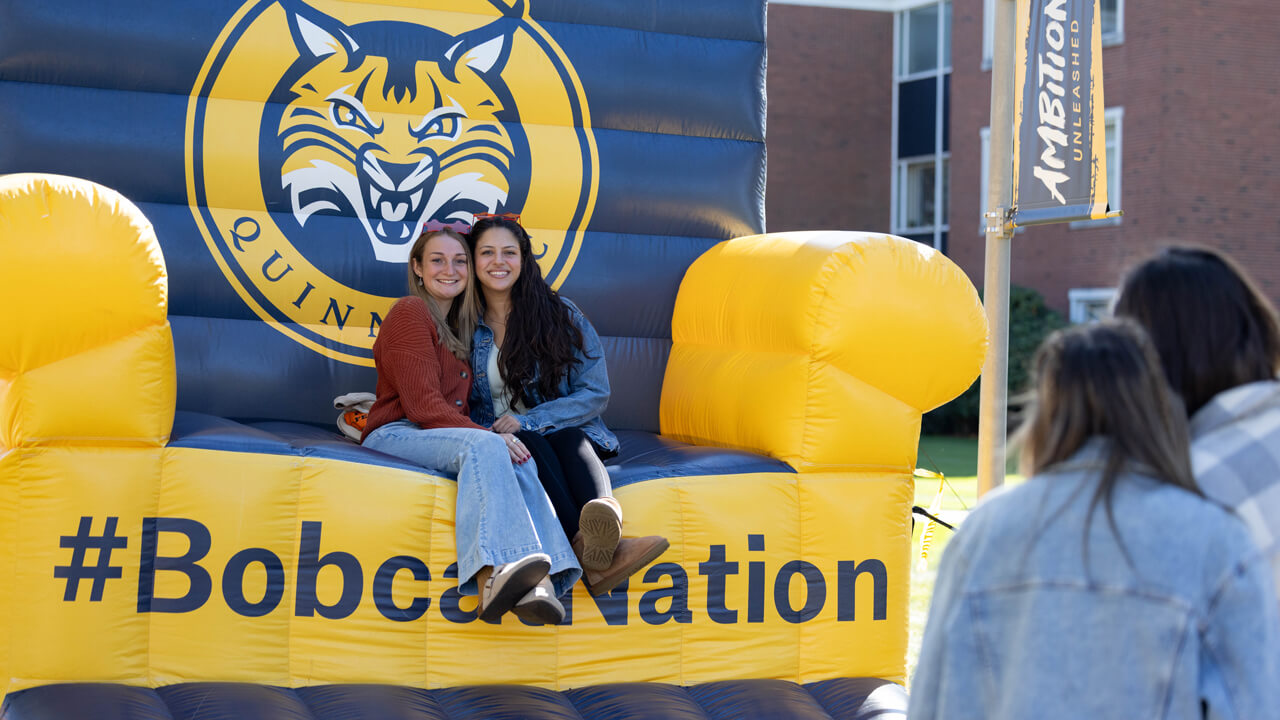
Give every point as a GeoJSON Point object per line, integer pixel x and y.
{"type": "Point", "coordinates": [631, 555]}
{"type": "Point", "coordinates": [600, 526]}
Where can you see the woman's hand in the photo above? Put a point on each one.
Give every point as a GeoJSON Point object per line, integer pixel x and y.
{"type": "Point", "coordinates": [506, 424]}
{"type": "Point", "coordinates": [519, 453]}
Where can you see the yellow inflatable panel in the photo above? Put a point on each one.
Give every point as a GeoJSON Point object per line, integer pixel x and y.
{"type": "Point", "coordinates": [819, 348]}
{"type": "Point", "coordinates": [83, 268]}
{"type": "Point", "coordinates": [125, 559]}
{"type": "Point", "coordinates": [223, 566]}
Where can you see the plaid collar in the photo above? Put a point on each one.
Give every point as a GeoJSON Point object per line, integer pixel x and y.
{"type": "Point", "coordinates": [1231, 405]}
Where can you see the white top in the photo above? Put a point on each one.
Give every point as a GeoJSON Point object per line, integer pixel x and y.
{"type": "Point", "coordinates": [498, 389]}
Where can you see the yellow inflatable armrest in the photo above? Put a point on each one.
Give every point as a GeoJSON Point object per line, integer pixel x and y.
{"type": "Point", "coordinates": [821, 349]}
{"type": "Point", "coordinates": [87, 358]}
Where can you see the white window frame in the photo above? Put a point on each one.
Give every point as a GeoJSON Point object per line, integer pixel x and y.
{"type": "Point", "coordinates": [1115, 37]}
{"type": "Point", "coordinates": [1082, 299]}
{"type": "Point", "coordinates": [1113, 116]}
{"type": "Point", "coordinates": [988, 32]}
{"type": "Point", "coordinates": [900, 226]}
{"type": "Point", "coordinates": [897, 184]}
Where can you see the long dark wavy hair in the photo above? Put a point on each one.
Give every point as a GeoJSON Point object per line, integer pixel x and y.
{"type": "Point", "coordinates": [1213, 327]}
{"type": "Point", "coordinates": [542, 340]}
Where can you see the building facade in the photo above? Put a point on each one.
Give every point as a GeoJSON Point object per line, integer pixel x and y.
{"type": "Point", "coordinates": [879, 114]}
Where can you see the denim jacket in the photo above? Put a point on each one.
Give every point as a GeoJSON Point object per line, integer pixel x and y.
{"type": "Point", "coordinates": [582, 395]}
{"type": "Point", "coordinates": [1024, 625]}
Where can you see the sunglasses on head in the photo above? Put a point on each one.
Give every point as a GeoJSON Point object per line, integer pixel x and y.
{"type": "Point", "coordinates": [456, 225]}
{"type": "Point", "coordinates": [514, 217]}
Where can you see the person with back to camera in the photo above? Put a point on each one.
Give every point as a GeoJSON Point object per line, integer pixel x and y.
{"type": "Point", "coordinates": [1106, 586]}
{"type": "Point", "coordinates": [540, 373]}
{"type": "Point", "coordinates": [511, 550]}
{"type": "Point", "coordinates": [1219, 341]}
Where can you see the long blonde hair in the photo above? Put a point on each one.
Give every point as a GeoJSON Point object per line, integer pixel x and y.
{"type": "Point", "coordinates": [457, 327]}
{"type": "Point", "coordinates": [1104, 380]}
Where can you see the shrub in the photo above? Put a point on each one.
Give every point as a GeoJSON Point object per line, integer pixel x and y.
{"type": "Point", "coordinates": [1030, 320]}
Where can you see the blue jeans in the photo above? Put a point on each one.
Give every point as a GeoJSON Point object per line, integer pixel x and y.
{"type": "Point", "coordinates": [502, 515]}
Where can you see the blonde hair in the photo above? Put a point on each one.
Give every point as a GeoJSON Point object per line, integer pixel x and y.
{"type": "Point", "coordinates": [1104, 380]}
{"type": "Point", "coordinates": [457, 327]}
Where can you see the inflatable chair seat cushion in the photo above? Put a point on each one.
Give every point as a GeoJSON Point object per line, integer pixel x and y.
{"type": "Point", "coordinates": [643, 456]}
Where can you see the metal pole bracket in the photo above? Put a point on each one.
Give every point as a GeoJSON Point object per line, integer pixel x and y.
{"type": "Point", "coordinates": [999, 221]}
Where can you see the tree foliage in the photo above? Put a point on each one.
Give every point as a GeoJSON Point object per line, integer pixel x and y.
{"type": "Point", "coordinates": [1030, 321]}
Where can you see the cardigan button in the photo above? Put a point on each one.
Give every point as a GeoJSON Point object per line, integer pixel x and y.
{"type": "Point", "coordinates": [464, 373]}
{"type": "Point", "coordinates": [458, 403]}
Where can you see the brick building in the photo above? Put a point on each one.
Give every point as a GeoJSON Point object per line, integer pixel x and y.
{"type": "Point", "coordinates": [878, 112]}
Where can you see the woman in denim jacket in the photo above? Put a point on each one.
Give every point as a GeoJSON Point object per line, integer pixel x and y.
{"type": "Point", "coordinates": [540, 373]}
{"type": "Point", "coordinates": [511, 551]}
{"type": "Point", "coordinates": [1106, 586]}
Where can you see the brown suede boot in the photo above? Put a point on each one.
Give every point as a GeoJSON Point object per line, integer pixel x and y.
{"type": "Point", "coordinates": [600, 526]}
{"type": "Point", "coordinates": [631, 555]}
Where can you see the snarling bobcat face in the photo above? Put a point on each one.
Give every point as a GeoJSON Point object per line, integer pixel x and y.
{"type": "Point", "coordinates": [394, 124]}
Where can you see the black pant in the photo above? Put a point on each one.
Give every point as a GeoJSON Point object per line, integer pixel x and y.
{"type": "Point", "coordinates": [571, 471]}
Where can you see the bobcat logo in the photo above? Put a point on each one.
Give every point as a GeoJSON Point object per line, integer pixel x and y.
{"type": "Point", "coordinates": [394, 124]}
{"type": "Point", "coordinates": [322, 134]}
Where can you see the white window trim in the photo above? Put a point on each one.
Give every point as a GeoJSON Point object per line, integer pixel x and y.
{"type": "Point", "coordinates": [1116, 37]}
{"type": "Point", "coordinates": [897, 50]}
{"type": "Point", "coordinates": [988, 33]}
{"type": "Point", "coordinates": [1115, 191]}
{"type": "Point", "coordinates": [900, 191]}
{"type": "Point", "coordinates": [1081, 298]}
{"type": "Point", "coordinates": [897, 176]}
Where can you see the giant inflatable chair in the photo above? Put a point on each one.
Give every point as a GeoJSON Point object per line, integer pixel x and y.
{"type": "Point", "coordinates": [205, 218]}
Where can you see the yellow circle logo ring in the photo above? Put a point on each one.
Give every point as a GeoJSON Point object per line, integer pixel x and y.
{"type": "Point", "coordinates": [321, 135]}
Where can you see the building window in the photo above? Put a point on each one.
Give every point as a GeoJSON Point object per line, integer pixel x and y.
{"type": "Point", "coordinates": [1090, 304]}
{"type": "Point", "coordinates": [1114, 119]}
{"type": "Point", "coordinates": [988, 32]}
{"type": "Point", "coordinates": [924, 38]}
{"type": "Point", "coordinates": [1112, 16]}
{"type": "Point", "coordinates": [919, 194]}
{"type": "Point", "coordinates": [921, 105]}
{"type": "Point", "coordinates": [1110, 13]}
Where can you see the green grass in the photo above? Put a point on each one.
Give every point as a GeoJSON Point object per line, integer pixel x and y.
{"type": "Point", "coordinates": [956, 459]}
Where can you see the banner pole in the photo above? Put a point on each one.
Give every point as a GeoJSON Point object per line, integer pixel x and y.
{"type": "Point", "coordinates": [994, 401]}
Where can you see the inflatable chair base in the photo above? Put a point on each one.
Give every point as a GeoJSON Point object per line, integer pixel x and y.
{"type": "Point", "coordinates": [841, 699]}
{"type": "Point", "coordinates": [146, 547]}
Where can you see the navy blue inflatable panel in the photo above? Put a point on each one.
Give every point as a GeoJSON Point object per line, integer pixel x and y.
{"type": "Point", "coordinates": [666, 99]}
{"type": "Point", "coordinates": [704, 19]}
{"type": "Point", "coordinates": [645, 456]}
{"type": "Point", "coordinates": [636, 365]}
{"type": "Point", "coordinates": [642, 456]}
{"type": "Point", "coordinates": [840, 699]}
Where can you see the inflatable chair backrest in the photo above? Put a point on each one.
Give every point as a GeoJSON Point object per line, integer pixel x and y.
{"type": "Point", "coordinates": [288, 151]}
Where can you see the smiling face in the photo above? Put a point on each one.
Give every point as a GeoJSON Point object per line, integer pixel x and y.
{"type": "Point", "coordinates": [442, 268]}
{"type": "Point", "coordinates": [497, 261]}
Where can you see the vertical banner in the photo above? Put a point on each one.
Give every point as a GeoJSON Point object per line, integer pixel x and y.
{"type": "Point", "coordinates": [1059, 138]}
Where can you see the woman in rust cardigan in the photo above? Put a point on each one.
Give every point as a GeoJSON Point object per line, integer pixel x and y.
{"type": "Point", "coordinates": [511, 549]}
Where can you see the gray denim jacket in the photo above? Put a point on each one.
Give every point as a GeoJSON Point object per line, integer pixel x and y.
{"type": "Point", "coordinates": [582, 396]}
{"type": "Point", "coordinates": [1022, 625]}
